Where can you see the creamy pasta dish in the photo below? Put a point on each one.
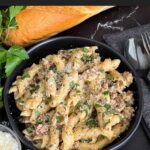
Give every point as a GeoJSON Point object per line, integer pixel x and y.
{"type": "Point", "coordinates": [74, 100]}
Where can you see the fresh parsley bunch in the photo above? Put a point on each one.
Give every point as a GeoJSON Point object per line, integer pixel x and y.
{"type": "Point", "coordinates": [9, 59]}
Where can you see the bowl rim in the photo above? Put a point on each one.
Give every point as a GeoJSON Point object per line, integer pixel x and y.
{"type": "Point", "coordinates": [138, 117]}
{"type": "Point", "coordinates": [9, 130]}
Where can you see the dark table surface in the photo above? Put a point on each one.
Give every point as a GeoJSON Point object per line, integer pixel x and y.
{"type": "Point", "coordinates": [114, 20]}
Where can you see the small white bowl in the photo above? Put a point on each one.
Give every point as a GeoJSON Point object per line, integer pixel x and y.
{"type": "Point", "coordinates": [8, 130]}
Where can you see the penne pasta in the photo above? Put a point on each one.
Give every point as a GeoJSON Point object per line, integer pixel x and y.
{"type": "Point", "coordinates": [74, 100]}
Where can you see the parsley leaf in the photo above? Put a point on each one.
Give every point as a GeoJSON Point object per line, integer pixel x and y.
{"type": "Point", "coordinates": [98, 105]}
{"type": "Point", "coordinates": [29, 130]}
{"type": "Point", "coordinates": [39, 121]}
{"type": "Point", "coordinates": [92, 123]}
{"type": "Point", "coordinates": [18, 51]}
{"type": "Point", "coordinates": [106, 92]}
{"type": "Point", "coordinates": [87, 59]}
{"type": "Point", "coordinates": [107, 106]}
{"type": "Point", "coordinates": [34, 87]}
{"type": "Point", "coordinates": [73, 85]}
{"type": "Point", "coordinates": [47, 100]}
{"type": "Point", "coordinates": [109, 77]}
{"type": "Point", "coordinates": [10, 58]}
{"type": "Point", "coordinates": [37, 114]}
{"type": "Point", "coordinates": [11, 63]}
{"type": "Point", "coordinates": [14, 10]}
{"type": "Point", "coordinates": [59, 118]}
{"type": "Point", "coordinates": [85, 50]}
{"type": "Point", "coordinates": [85, 108]}
{"type": "Point", "coordinates": [9, 15]}
{"type": "Point", "coordinates": [25, 75]}
{"type": "Point", "coordinates": [15, 55]}
{"type": "Point", "coordinates": [84, 140]}
{"type": "Point", "coordinates": [3, 55]}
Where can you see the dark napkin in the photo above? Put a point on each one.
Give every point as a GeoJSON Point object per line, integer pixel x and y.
{"type": "Point", "coordinates": [117, 42]}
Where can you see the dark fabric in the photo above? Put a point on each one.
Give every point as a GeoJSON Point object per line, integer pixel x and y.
{"type": "Point", "coordinates": [117, 42]}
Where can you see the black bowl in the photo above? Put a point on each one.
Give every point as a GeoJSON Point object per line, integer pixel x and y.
{"type": "Point", "coordinates": [51, 47]}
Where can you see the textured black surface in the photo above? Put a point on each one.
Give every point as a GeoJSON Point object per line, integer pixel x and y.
{"type": "Point", "coordinates": [139, 141]}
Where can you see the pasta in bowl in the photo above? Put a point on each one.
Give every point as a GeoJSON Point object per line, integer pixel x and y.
{"type": "Point", "coordinates": [74, 100]}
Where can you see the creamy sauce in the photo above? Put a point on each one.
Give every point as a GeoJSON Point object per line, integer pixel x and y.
{"type": "Point", "coordinates": [7, 142]}
{"type": "Point", "coordinates": [70, 99]}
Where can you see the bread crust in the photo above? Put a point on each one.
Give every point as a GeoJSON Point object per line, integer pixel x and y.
{"type": "Point", "coordinates": [36, 23]}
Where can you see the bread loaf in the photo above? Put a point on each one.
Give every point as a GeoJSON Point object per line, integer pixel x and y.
{"type": "Point", "coordinates": [36, 23]}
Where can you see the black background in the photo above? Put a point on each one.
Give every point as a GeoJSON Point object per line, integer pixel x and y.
{"type": "Point", "coordinates": [74, 2]}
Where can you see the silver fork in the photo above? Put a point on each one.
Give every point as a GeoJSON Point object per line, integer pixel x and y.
{"type": "Point", "coordinates": [146, 42]}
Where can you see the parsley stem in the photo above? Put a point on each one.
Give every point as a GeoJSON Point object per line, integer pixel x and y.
{"type": "Point", "coordinates": [7, 33]}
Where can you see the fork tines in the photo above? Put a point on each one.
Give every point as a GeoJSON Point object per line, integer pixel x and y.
{"type": "Point", "coordinates": [146, 42]}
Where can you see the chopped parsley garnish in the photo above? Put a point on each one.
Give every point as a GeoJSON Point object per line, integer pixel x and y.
{"type": "Point", "coordinates": [85, 50]}
{"type": "Point", "coordinates": [34, 88]}
{"type": "Point", "coordinates": [107, 107]}
{"type": "Point", "coordinates": [13, 56]}
{"type": "Point", "coordinates": [59, 118]}
{"type": "Point", "coordinates": [84, 140]}
{"type": "Point", "coordinates": [106, 92]}
{"type": "Point", "coordinates": [47, 99]}
{"type": "Point", "coordinates": [73, 85]}
{"type": "Point", "coordinates": [84, 107]}
{"type": "Point", "coordinates": [39, 121]}
{"type": "Point", "coordinates": [25, 75]}
{"type": "Point", "coordinates": [87, 59]}
{"type": "Point", "coordinates": [109, 77]}
{"type": "Point", "coordinates": [109, 110]}
{"type": "Point", "coordinates": [37, 114]}
{"type": "Point", "coordinates": [92, 123]}
{"type": "Point", "coordinates": [29, 130]}
{"type": "Point", "coordinates": [98, 105]}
